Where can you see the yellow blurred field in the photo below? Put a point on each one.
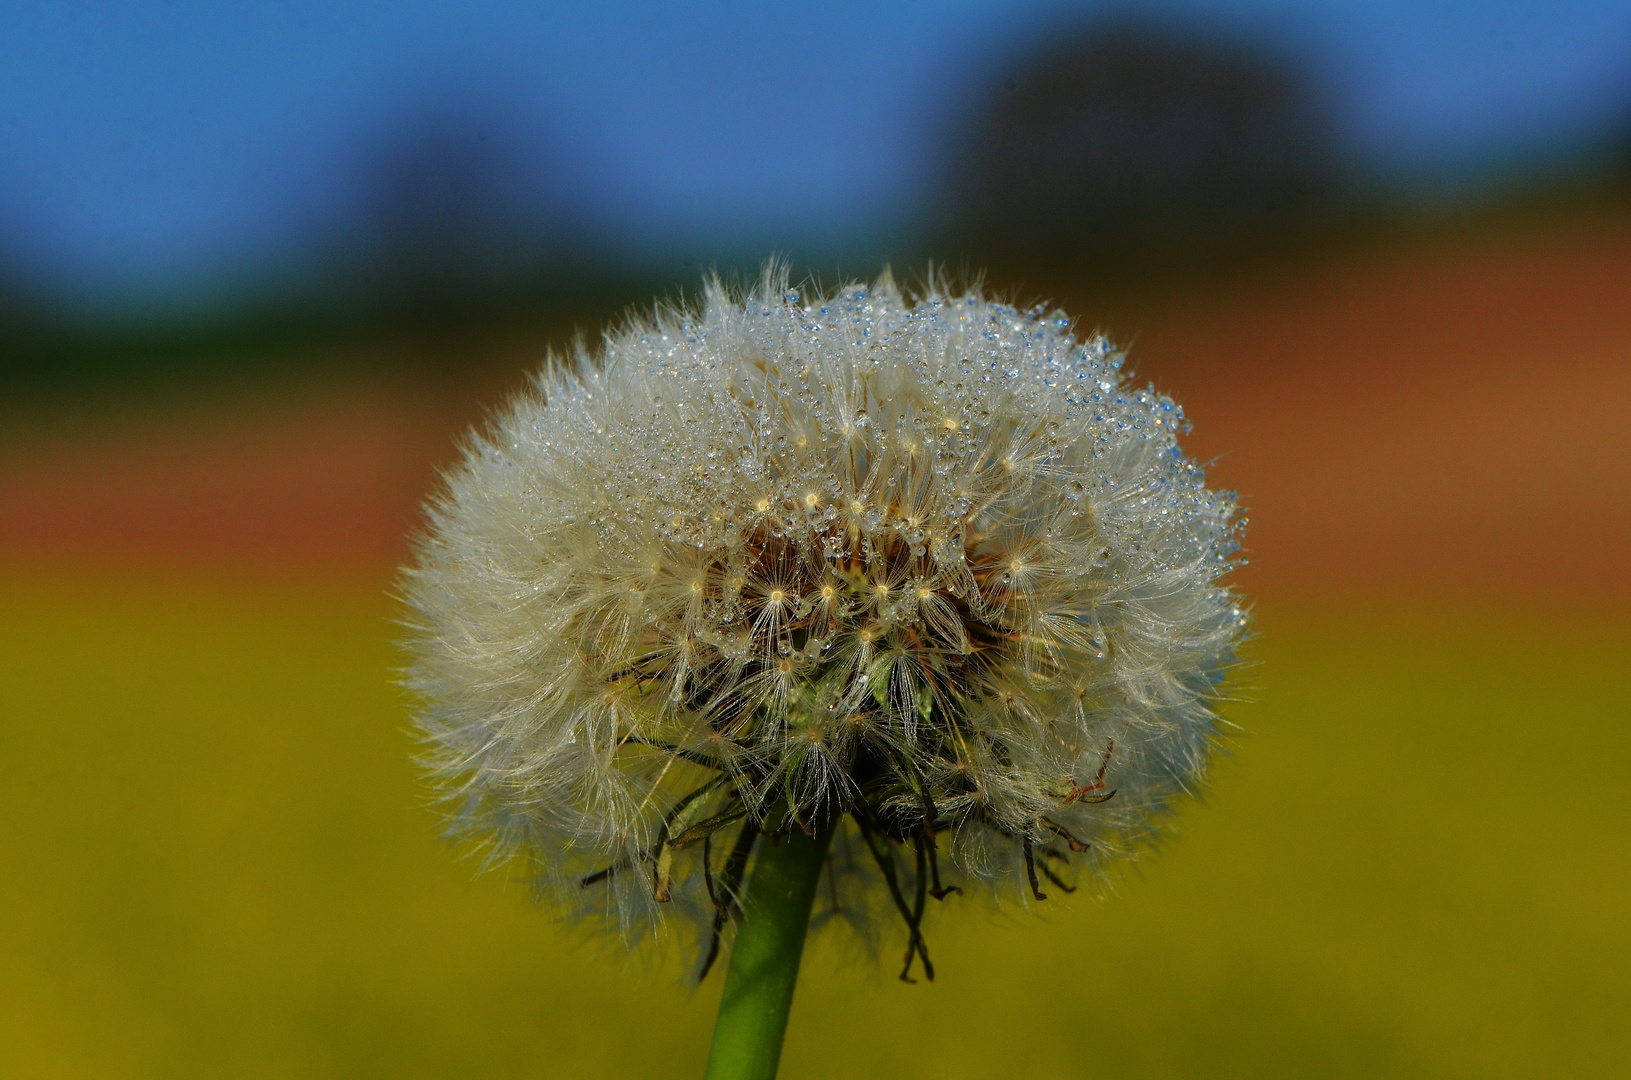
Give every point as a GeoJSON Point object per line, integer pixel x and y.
{"type": "Point", "coordinates": [219, 863]}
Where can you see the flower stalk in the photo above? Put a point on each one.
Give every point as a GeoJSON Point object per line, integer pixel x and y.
{"type": "Point", "coordinates": [764, 964]}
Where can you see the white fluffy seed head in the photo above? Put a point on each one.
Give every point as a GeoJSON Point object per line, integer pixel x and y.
{"type": "Point", "coordinates": [905, 568]}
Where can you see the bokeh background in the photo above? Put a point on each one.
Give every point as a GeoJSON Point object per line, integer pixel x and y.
{"type": "Point", "coordinates": [262, 263]}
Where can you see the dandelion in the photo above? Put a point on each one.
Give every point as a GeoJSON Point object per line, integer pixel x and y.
{"type": "Point", "coordinates": [822, 603]}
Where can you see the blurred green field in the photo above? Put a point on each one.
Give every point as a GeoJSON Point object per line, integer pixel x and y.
{"type": "Point", "coordinates": [218, 862]}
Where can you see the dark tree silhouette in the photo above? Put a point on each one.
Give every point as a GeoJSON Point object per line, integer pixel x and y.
{"type": "Point", "coordinates": [20, 304]}
{"type": "Point", "coordinates": [1133, 139]}
{"type": "Point", "coordinates": [458, 212]}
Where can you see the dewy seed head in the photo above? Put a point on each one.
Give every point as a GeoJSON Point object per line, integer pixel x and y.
{"type": "Point", "coordinates": [906, 569]}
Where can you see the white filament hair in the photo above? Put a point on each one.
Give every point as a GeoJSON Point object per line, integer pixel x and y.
{"type": "Point", "coordinates": [930, 563]}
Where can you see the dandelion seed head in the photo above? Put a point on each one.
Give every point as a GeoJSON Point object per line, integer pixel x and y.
{"type": "Point", "coordinates": [925, 570]}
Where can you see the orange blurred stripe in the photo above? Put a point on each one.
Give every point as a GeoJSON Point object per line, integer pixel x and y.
{"type": "Point", "coordinates": [1451, 413]}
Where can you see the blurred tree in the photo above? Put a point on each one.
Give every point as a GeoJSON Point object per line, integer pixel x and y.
{"type": "Point", "coordinates": [459, 248]}
{"type": "Point", "coordinates": [1619, 151]}
{"type": "Point", "coordinates": [1134, 141]}
{"type": "Point", "coordinates": [21, 315]}
{"type": "Point", "coordinates": [457, 215]}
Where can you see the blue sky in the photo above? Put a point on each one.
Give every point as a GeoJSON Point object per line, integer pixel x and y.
{"type": "Point", "coordinates": [155, 147]}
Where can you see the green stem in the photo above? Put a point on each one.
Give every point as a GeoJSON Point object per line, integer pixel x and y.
{"type": "Point", "coordinates": [765, 958]}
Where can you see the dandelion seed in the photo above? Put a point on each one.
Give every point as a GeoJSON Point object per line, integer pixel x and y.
{"type": "Point", "coordinates": [912, 573]}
